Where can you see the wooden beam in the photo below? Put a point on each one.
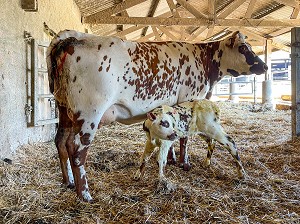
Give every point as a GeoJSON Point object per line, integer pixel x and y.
{"type": "Point", "coordinates": [193, 21]}
{"type": "Point", "coordinates": [146, 38]}
{"type": "Point", "coordinates": [229, 9]}
{"type": "Point", "coordinates": [197, 33]}
{"type": "Point", "coordinates": [191, 9]}
{"type": "Point", "coordinates": [281, 46]}
{"type": "Point", "coordinates": [250, 9]}
{"type": "Point", "coordinates": [173, 10]}
{"type": "Point", "coordinates": [128, 30]}
{"type": "Point", "coordinates": [211, 9]}
{"type": "Point", "coordinates": [295, 13]}
{"type": "Point", "coordinates": [153, 8]}
{"type": "Point", "coordinates": [291, 3]}
{"type": "Point", "coordinates": [157, 35]}
{"type": "Point", "coordinates": [115, 9]}
{"type": "Point", "coordinates": [167, 32]}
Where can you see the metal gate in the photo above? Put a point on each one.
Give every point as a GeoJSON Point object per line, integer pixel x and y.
{"type": "Point", "coordinates": [41, 106]}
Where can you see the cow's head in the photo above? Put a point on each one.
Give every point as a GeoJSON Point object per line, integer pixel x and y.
{"type": "Point", "coordinates": [238, 57]}
{"type": "Point", "coordinates": [161, 125]}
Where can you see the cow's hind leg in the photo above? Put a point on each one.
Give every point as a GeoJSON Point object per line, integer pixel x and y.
{"type": "Point", "coordinates": [78, 143]}
{"type": "Point", "coordinates": [62, 134]}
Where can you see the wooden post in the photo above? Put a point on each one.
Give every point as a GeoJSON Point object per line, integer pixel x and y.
{"type": "Point", "coordinates": [295, 79]}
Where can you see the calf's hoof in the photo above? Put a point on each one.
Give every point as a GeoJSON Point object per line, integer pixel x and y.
{"type": "Point", "coordinates": [137, 176]}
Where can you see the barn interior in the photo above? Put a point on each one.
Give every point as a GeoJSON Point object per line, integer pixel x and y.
{"type": "Point", "coordinates": [267, 137]}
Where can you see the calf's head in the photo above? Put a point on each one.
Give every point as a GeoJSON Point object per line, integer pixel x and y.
{"type": "Point", "coordinates": [238, 58]}
{"type": "Point", "coordinates": [162, 126]}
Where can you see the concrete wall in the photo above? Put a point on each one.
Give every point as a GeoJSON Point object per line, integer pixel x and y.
{"type": "Point", "coordinates": [59, 15]}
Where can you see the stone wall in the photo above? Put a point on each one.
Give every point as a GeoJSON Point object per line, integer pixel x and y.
{"type": "Point", "coordinates": [58, 15]}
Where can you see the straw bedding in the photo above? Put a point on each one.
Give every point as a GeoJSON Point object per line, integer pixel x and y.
{"type": "Point", "coordinates": [31, 190]}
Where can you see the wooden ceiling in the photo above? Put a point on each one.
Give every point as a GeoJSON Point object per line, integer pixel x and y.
{"type": "Point", "coordinates": [193, 20]}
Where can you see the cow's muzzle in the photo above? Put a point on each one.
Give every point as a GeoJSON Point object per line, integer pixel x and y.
{"type": "Point", "coordinates": [172, 136]}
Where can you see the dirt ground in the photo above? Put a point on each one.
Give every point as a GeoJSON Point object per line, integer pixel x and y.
{"type": "Point", "coordinates": [31, 189]}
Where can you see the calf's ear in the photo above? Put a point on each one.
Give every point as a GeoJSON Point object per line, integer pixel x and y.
{"type": "Point", "coordinates": [151, 116]}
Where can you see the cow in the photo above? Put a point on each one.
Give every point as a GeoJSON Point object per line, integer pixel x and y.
{"type": "Point", "coordinates": [166, 124]}
{"type": "Point", "coordinates": [97, 80]}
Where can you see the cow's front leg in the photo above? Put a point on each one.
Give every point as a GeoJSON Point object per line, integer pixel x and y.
{"type": "Point", "coordinates": [171, 156]}
{"type": "Point", "coordinates": [62, 134]}
{"type": "Point", "coordinates": [183, 157]}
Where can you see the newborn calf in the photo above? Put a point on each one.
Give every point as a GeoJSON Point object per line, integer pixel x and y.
{"type": "Point", "coordinates": [165, 124]}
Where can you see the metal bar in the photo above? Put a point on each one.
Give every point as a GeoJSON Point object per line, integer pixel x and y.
{"type": "Point", "coordinates": [295, 81]}
{"type": "Point", "coordinates": [33, 94]}
{"type": "Point", "coordinates": [47, 121]}
{"type": "Point", "coordinates": [46, 96]}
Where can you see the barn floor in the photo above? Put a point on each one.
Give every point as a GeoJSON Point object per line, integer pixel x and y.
{"type": "Point", "coordinates": [31, 190]}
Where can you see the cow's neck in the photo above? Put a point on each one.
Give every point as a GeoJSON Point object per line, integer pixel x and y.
{"type": "Point", "coordinates": [210, 59]}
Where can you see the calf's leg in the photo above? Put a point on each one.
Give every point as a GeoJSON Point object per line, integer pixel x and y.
{"type": "Point", "coordinates": [149, 148]}
{"type": "Point", "coordinates": [210, 149]}
{"type": "Point", "coordinates": [162, 157]}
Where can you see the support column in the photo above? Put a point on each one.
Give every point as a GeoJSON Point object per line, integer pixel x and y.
{"type": "Point", "coordinates": [295, 79]}
{"type": "Point", "coordinates": [232, 90]}
{"type": "Point", "coordinates": [267, 85]}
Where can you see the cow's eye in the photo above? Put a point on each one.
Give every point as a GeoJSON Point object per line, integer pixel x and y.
{"type": "Point", "coordinates": [164, 124]}
{"type": "Point", "coordinates": [243, 48]}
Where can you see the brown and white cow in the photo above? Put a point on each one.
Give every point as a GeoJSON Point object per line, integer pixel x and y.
{"type": "Point", "coordinates": [97, 80]}
{"type": "Point", "coordinates": [166, 124]}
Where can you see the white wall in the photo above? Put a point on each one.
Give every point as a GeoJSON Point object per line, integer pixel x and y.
{"type": "Point", "coordinates": [59, 15]}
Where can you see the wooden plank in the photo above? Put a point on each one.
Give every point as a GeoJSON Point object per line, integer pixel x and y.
{"type": "Point", "coordinates": [173, 10]}
{"type": "Point", "coordinates": [250, 9]}
{"type": "Point", "coordinates": [295, 81]}
{"type": "Point", "coordinates": [211, 9]}
{"type": "Point", "coordinates": [291, 3]}
{"type": "Point", "coordinates": [167, 32]}
{"type": "Point", "coordinates": [157, 35]}
{"type": "Point", "coordinates": [156, 21]}
{"type": "Point", "coordinates": [115, 9]}
{"type": "Point", "coordinates": [191, 9]}
{"type": "Point", "coordinates": [229, 9]}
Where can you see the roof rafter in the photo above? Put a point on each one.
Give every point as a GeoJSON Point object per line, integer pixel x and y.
{"type": "Point", "coordinates": [193, 21]}
{"type": "Point", "coordinates": [115, 9]}
{"type": "Point", "coordinates": [192, 9]}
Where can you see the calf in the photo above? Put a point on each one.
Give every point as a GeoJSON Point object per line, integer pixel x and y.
{"type": "Point", "coordinates": [97, 80]}
{"type": "Point", "coordinates": [165, 124]}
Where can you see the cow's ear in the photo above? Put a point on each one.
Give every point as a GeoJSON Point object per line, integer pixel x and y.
{"type": "Point", "coordinates": [233, 40]}
{"type": "Point", "coordinates": [151, 116]}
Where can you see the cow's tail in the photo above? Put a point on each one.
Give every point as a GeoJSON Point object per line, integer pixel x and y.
{"type": "Point", "coordinates": [57, 52]}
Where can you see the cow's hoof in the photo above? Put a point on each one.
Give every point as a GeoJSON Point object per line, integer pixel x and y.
{"type": "Point", "coordinates": [71, 185]}
{"type": "Point", "coordinates": [185, 166]}
{"type": "Point", "coordinates": [171, 162]}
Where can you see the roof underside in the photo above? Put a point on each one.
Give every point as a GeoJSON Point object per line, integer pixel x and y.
{"type": "Point", "coordinates": [193, 20]}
